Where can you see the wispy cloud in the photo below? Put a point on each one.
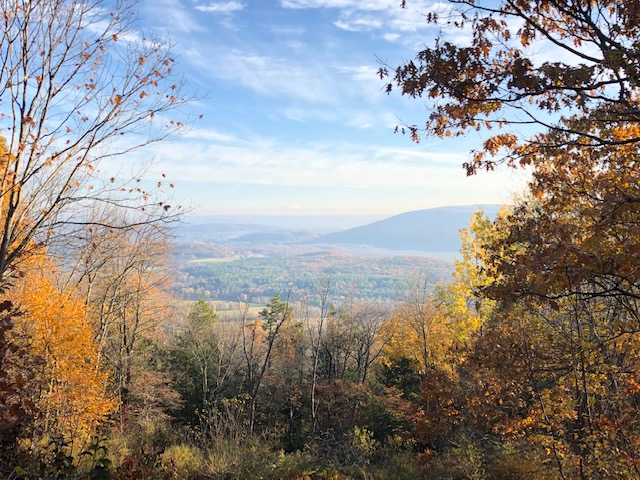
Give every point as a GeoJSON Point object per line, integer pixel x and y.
{"type": "Point", "coordinates": [270, 162]}
{"type": "Point", "coordinates": [382, 177]}
{"type": "Point", "coordinates": [211, 135]}
{"type": "Point", "coordinates": [267, 75]}
{"type": "Point", "coordinates": [296, 107]}
{"type": "Point", "coordinates": [303, 113]}
{"type": "Point", "coordinates": [221, 7]}
{"type": "Point", "coordinates": [352, 4]}
{"type": "Point", "coordinates": [360, 24]}
{"type": "Point", "coordinates": [171, 15]}
{"type": "Point", "coordinates": [306, 88]}
{"type": "Point", "coordinates": [373, 15]}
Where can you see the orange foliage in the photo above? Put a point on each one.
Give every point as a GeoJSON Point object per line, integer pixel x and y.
{"type": "Point", "coordinates": [491, 80]}
{"type": "Point", "coordinates": [66, 387]}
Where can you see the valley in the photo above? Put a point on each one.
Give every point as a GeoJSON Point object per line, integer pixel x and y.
{"type": "Point", "coordinates": [230, 259]}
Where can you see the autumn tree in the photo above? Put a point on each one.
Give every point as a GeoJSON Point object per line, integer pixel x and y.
{"type": "Point", "coordinates": [555, 87]}
{"type": "Point", "coordinates": [418, 327]}
{"type": "Point", "coordinates": [316, 329]}
{"type": "Point", "coordinates": [285, 384]}
{"type": "Point", "coordinates": [78, 85]}
{"type": "Point", "coordinates": [65, 389]}
{"type": "Point", "coordinates": [122, 277]}
{"type": "Point", "coordinates": [335, 347]}
{"type": "Point", "coordinates": [567, 293]}
{"type": "Point", "coordinates": [578, 226]}
{"type": "Point", "coordinates": [552, 368]}
{"type": "Point", "coordinates": [265, 329]}
{"type": "Point", "coordinates": [365, 320]}
{"type": "Point", "coordinates": [537, 75]}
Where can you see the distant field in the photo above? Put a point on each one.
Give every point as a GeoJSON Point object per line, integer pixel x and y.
{"type": "Point", "coordinates": [204, 261]}
{"type": "Point", "coordinates": [233, 314]}
{"type": "Point", "coordinates": [226, 309]}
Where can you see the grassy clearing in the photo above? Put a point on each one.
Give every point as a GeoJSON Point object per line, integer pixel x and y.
{"type": "Point", "coordinates": [206, 261]}
{"type": "Point", "coordinates": [230, 314]}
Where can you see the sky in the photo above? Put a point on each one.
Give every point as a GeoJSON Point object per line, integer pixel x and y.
{"type": "Point", "coordinates": [295, 118]}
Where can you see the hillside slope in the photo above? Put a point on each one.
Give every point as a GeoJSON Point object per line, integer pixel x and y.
{"type": "Point", "coordinates": [430, 230]}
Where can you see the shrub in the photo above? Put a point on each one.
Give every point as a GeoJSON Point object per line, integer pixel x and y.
{"type": "Point", "coordinates": [183, 461]}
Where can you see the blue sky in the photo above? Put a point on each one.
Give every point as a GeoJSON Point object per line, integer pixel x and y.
{"type": "Point", "coordinates": [295, 119]}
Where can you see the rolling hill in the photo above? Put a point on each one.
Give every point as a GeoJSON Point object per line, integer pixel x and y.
{"type": "Point", "coordinates": [430, 230]}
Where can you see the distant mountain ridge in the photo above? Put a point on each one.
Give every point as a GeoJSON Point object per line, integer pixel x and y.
{"type": "Point", "coordinates": [420, 232]}
{"type": "Point", "coordinates": [430, 230]}
{"type": "Point", "coordinates": [230, 232]}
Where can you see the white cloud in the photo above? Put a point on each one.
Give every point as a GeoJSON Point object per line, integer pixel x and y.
{"type": "Point", "coordinates": [221, 7]}
{"type": "Point", "coordinates": [307, 88]}
{"type": "Point", "coordinates": [376, 174]}
{"type": "Point", "coordinates": [294, 76]}
{"type": "Point", "coordinates": [384, 16]}
{"type": "Point", "coordinates": [267, 75]}
{"type": "Point", "coordinates": [350, 4]}
{"type": "Point", "coordinates": [364, 73]}
{"type": "Point", "coordinates": [363, 84]}
{"type": "Point", "coordinates": [172, 15]}
{"type": "Point", "coordinates": [210, 135]}
{"type": "Point", "coordinates": [268, 162]}
{"type": "Point", "coordinates": [362, 24]}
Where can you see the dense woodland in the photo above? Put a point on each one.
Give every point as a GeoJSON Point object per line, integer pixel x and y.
{"type": "Point", "coordinates": [525, 365]}
{"type": "Point", "coordinates": [260, 278]}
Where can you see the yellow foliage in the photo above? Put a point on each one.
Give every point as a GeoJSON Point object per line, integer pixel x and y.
{"type": "Point", "coordinates": [67, 388]}
{"type": "Point", "coordinates": [421, 335]}
{"type": "Point", "coordinates": [403, 342]}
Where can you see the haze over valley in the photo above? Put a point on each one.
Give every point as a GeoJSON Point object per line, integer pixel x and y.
{"type": "Point", "coordinates": [223, 259]}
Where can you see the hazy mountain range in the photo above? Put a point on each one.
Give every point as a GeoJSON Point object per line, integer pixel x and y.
{"type": "Point", "coordinates": [430, 230]}
{"type": "Point", "coordinates": [236, 256]}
